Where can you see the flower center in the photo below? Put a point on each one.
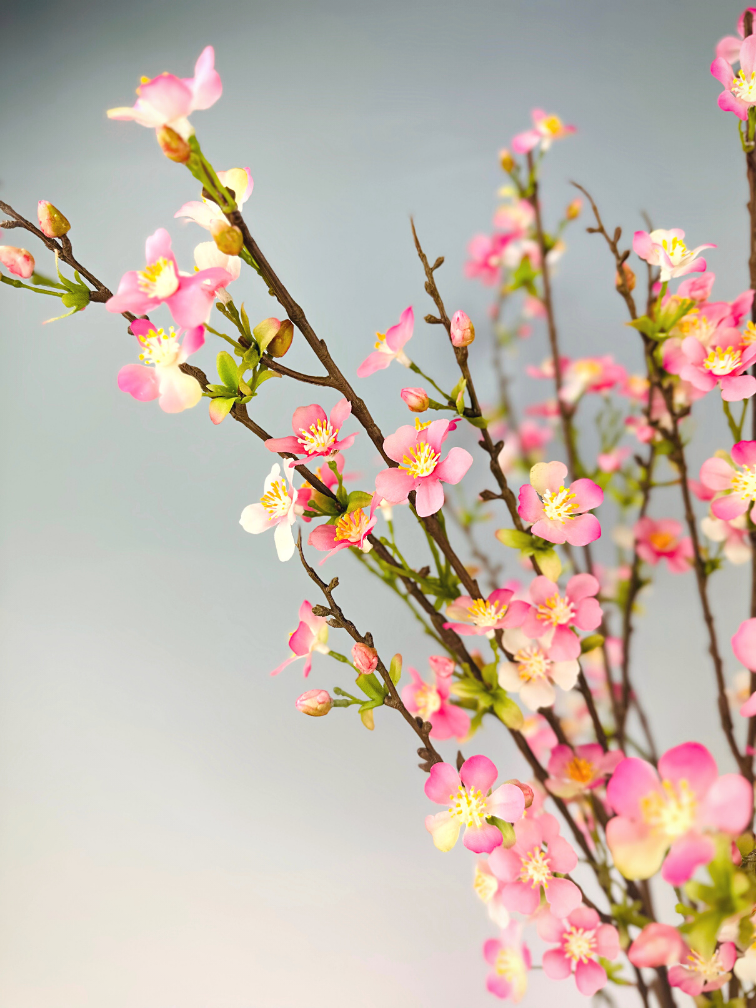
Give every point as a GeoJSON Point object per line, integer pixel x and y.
{"type": "Point", "coordinates": [159, 348]}
{"type": "Point", "coordinates": [744, 483]}
{"type": "Point", "coordinates": [580, 770]}
{"type": "Point", "coordinates": [318, 438]}
{"type": "Point", "coordinates": [551, 125]}
{"type": "Point", "coordinates": [535, 868]}
{"type": "Point", "coordinates": [722, 360]}
{"type": "Point", "coordinates": [508, 963]}
{"type": "Point", "coordinates": [558, 504]}
{"type": "Point", "coordinates": [468, 807]}
{"type": "Point", "coordinates": [531, 663]}
{"type": "Point", "coordinates": [663, 542]}
{"type": "Point", "coordinates": [276, 501]}
{"type": "Point", "coordinates": [159, 279]}
{"type": "Point", "coordinates": [555, 610]}
{"type": "Point", "coordinates": [421, 424]}
{"type": "Point", "coordinates": [671, 811]}
{"type": "Point", "coordinates": [352, 526]}
{"type": "Point", "coordinates": [380, 343]}
{"type": "Point", "coordinates": [578, 945]}
{"type": "Point", "coordinates": [744, 87]}
{"type": "Point", "coordinates": [421, 460]}
{"type": "Point", "coordinates": [676, 249]}
{"type": "Point", "coordinates": [707, 969]}
{"type": "Point", "coordinates": [483, 613]}
{"type": "Point", "coordinates": [749, 334]}
{"type": "Point", "coordinates": [428, 701]}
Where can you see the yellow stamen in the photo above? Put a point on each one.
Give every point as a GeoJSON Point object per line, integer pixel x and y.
{"type": "Point", "coordinates": [483, 613]}
{"type": "Point", "coordinates": [277, 500]}
{"type": "Point", "coordinates": [671, 811]}
{"type": "Point", "coordinates": [421, 460]}
{"type": "Point", "coordinates": [318, 438]}
{"type": "Point", "coordinates": [722, 360]}
{"type": "Point", "coordinates": [468, 806]}
{"type": "Point", "coordinates": [556, 610]}
{"type": "Point", "coordinates": [580, 770]}
{"type": "Point", "coordinates": [578, 945]}
{"type": "Point", "coordinates": [352, 526]}
{"type": "Point", "coordinates": [558, 505]}
{"type": "Point", "coordinates": [744, 483]}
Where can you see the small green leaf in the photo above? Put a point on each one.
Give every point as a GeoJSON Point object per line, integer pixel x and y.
{"type": "Point", "coordinates": [591, 642]}
{"type": "Point", "coordinates": [507, 710]}
{"type": "Point", "coordinates": [506, 829]}
{"type": "Point", "coordinates": [490, 675]}
{"type": "Point", "coordinates": [220, 408]}
{"type": "Point", "coordinates": [227, 370]}
{"type": "Point", "coordinates": [371, 687]}
{"type": "Point", "coordinates": [395, 669]}
{"type": "Point", "coordinates": [478, 421]}
{"type": "Point", "coordinates": [645, 325]}
{"type": "Point", "coordinates": [549, 562]}
{"type": "Point", "coordinates": [513, 538]}
{"type": "Point", "coordinates": [358, 499]}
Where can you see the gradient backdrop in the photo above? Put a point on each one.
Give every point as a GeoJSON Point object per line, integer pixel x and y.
{"type": "Point", "coordinates": [174, 833]}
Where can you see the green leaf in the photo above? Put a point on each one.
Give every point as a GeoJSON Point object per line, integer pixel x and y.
{"type": "Point", "coordinates": [245, 321]}
{"type": "Point", "coordinates": [468, 688]}
{"type": "Point", "coordinates": [645, 325]}
{"type": "Point", "coordinates": [251, 358]}
{"type": "Point", "coordinates": [490, 675]}
{"type": "Point", "coordinates": [371, 687]}
{"type": "Point", "coordinates": [478, 421]}
{"type": "Point", "coordinates": [549, 562]}
{"type": "Point", "coordinates": [507, 710]}
{"type": "Point", "coordinates": [506, 829]}
{"type": "Point", "coordinates": [395, 669]}
{"type": "Point", "coordinates": [591, 642]}
{"type": "Point", "coordinates": [222, 390]}
{"type": "Point", "coordinates": [220, 408]}
{"type": "Point", "coordinates": [227, 370]}
{"type": "Point", "coordinates": [515, 539]}
{"type": "Point", "coordinates": [358, 499]}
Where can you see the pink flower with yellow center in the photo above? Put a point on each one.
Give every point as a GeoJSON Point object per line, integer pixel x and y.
{"type": "Point", "coordinates": [160, 374]}
{"type": "Point", "coordinates": [553, 613]}
{"type": "Point", "coordinates": [421, 468]}
{"type": "Point", "coordinates": [483, 617]}
{"type": "Point", "coordinates": [348, 530]}
{"type": "Point", "coordinates": [509, 959]}
{"type": "Point", "coordinates": [430, 701]}
{"type": "Point", "coordinates": [315, 434]}
{"type": "Point", "coordinates": [390, 346]}
{"type": "Point", "coordinates": [189, 298]}
{"type": "Point", "coordinates": [546, 129]}
{"type": "Point", "coordinates": [310, 636]}
{"type": "Point", "coordinates": [529, 867]}
{"type": "Point", "coordinates": [485, 253]}
{"type": "Point", "coordinates": [739, 88]}
{"type": "Point", "coordinates": [668, 251]}
{"type": "Point", "coordinates": [581, 938]}
{"type": "Point", "coordinates": [532, 672]}
{"type": "Point", "coordinates": [276, 510]}
{"type": "Point", "coordinates": [573, 772]}
{"type": "Point", "coordinates": [722, 362]}
{"type": "Point", "coordinates": [662, 540]}
{"type": "Point", "coordinates": [470, 802]}
{"type": "Point", "coordinates": [698, 974]}
{"type": "Point", "coordinates": [732, 476]}
{"type": "Point", "coordinates": [168, 101]}
{"type": "Point", "coordinates": [667, 816]}
{"type": "Point", "coordinates": [556, 511]}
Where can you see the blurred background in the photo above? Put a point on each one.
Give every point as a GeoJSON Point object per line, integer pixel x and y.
{"type": "Point", "coordinates": [174, 833]}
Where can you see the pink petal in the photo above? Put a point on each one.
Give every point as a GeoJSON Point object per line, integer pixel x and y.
{"type": "Point", "coordinates": [548, 476]}
{"type": "Point", "coordinates": [734, 388]}
{"type": "Point", "coordinates": [339, 413]}
{"type": "Point", "coordinates": [549, 928]}
{"type": "Point", "coordinates": [491, 949]}
{"type": "Point", "coordinates": [505, 864]}
{"type": "Point", "coordinates": [657, 945]}
{"type": "Point", "coordinates": [721, 68]}
{"type": "Point", "coordinates": [581, 586]}
{"type": "Point", "coordinates": [744, 453]}
{"type": "Point", "coordinates": [589, 977]}
{"type": "Point", "coordinates": [520, 897]}
{"type": "Point", "coordinates": [454, 466]}
{"type": "Point", "coordinates": [556, 965]}
{"type": "Point", "coordinates": [529, 506]}
{"type": "Point", "coordinates": [744, 643]}
{"type": "Point", "coordinates": [565, 645]}
{"type": "Point", "coordinates": [442, 783]}
{"type": "Point", "coordinates": [729, 507]}
{"type": "Point", "coordinates": [563, 895]}
{"type": "Point", "coordinates": [582, 530]}
{"type": "Point", "coordinates": [749, 707]}
{"type": "Point", "coordinates": [588, 614]}
{"type": "Point", "coordinates": [478, 772]}
{"type": "Point", "coordinates": [394, 485]}
{"type": "Point", "coordinates": [191, 304]}
{"type": "Point", "coordinates": [523, 143]}
{"type": "Point", "coordinates": [685, 855]}
{"type": "Point", "coordinates": [306, 417]}
{"type": "Point", "coordinates": [139, 381]}
{"type": "Point", "coordinates": [482, 839]}
{"type": "Point", "coordinates": [323, 537]}
{"type": "Point", "coordinates": [728, 804]}
{"type": "Point", "coordinates": [178, 391]}
{"type": "Point", "coordinates": [206, 86]}
{"type": "Point", "coordinates": [585, 918]}
{"type": "Point", "coordinates": [637, 852]}
{"type": "Point", "coordinates": [562, 856]}
{"type": "Point", "coordinates": [169, 96]}
{"type": "Point", "coordinates": [717, 474]}
{"type": "Point", "coordinates": [507, 802]}
{"type": "Point", "coordinates": [632, 780]}
{"type": "Point", "coordinates": [690, 762]}
{"type": "Point", "coordinates": [607, 941]}
{"type": "Point", "coordinates": [589, 495]}
{"type": "Point", "coordinates": [748, 56]}
{"type": "Point", "coordinates": [515, 614]}
{"type": "Point", "coordinates": [430, 496]}
{"type": "Point", "coordinates": [129, 297]}
{"type": "Point", "coordinates": [498, 985]}
{"type": "Point", "coordinates": [398, 334]}
{"type": "Point", "coordinates": [398, 444]}
{"type": "Point", "coordinates": [551, 531]}
{"type": "Point", "coordinates": [375, 361]}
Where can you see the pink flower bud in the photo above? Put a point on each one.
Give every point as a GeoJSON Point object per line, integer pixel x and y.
{"type": "Point", "coordinates": [441, 665]}
{"type": "Point", "coordinates": [274, 336]}
{"type": "Point", "coordinates": [51, 220]}
{"type": "Point", "coordinates": [657, 945]}
{"type": "Point", "coordinates": [365, 658]}
{"type": "Point", "coordinates": [526, 789]}
{"type": "Point", "coordinates": [17, 260]}
{"type": "Point", "coordinates": [506, 160]}
{"type": "Point", "coordinates": [416, 398]}
{"type": "Point", "coordinates": [462, 330]}
{"type": "Point", "coordinates": [573, 209]}
{"type": "Point", "coordinates": [173, 145]}
{"type": "Point", "coordinates": [315, 702]}
{"type": "Point", "coordinates": [227, 237]}
{"type": "Point", "coordinates": [629, 276]}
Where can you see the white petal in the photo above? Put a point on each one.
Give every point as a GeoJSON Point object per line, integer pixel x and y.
{"type": "Point", "coordinates": [284, 541]}
{"type": "Point", "coordinates": [509, 677]}
{"type": "Point", "coordinates": [443, 829]}
{"type": "Point", "coordinates": [537, 693]}
{"type": "Point", "coordinates": [514, 639]}
{"type": "Point", "coordinates": [565, 673]}
{"type": "Point", "coordinates": [254, 519]}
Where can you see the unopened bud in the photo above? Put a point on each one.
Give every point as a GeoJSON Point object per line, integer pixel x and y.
{"type": "Point", "coordinates": [17, 260]}
{"type": "Point", "coordinates": [51, 220]}
{"type": "Point", "coordinates": [526, 789]}
{"type": "Point", "coordinates": [274, 336]}
{"type": "Point", "coordinates": [173, 145]}
{"type": "Point", "coordinates": [573, 209]}
{"type": "Point", "coordinates": [628, 275]}
{"type": "Point", "coordinates": [462, 330]}
{"type": "Point", "coordinates": [506, 160]}
{"type": "Point", "coordinates": [227, 237]}
{"type": "Point", "coordinates": [657, 945]}
{"type": "Point", "coordinates": [315, 702]}
{"type": "Point", "coordinates": [441, 665]}
{"type": "Point", "coordinates": [365, 659]}
{"type": "Point", "coordinates": [416, 398]}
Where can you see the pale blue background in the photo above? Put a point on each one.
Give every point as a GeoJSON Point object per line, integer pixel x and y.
{"type": "Point", "coordinates": [174, 833]}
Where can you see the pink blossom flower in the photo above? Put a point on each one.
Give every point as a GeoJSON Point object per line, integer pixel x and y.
{"type": "Point", "coordinates": [549, 409]}
{"type": "Point", "coordinates": [558, 512]}
{"type": "Point", "coordinates": [484, 616]}
{"type": "Point", "coordinates": [350, 529]}
{"type": "Point", "coordinates": [744, 649]}
{"type": "Point", "coordinates": [17, 260]}
{"type": "Point", "coordinates": [734, 534]}
{"type": "Point", "coordinates": [532, 671]}
{"type": "Point", "coordinates": [189, 298]}
{"type": "Point", "coordinates": [739, 88]}
{"type": "Point", "coordinates": [488, 889]}
{"type": "Point", "coordinates": [729, 47]}
{"type": "Point", "coordinates": [581, 938]}
{"type": "Point", "coordinates": [527, 440]}
{"type": "Point", "coordinates": [430, 701]}
{"type": "Point", "coordinates": [168, 101]}
{"type": "Point", "coordinates": [514, 219]}
{"type": "Point", "coordinates": [484, 263]}
{"type": "Point", "coordinates": [698, 975]}
{"type": "Point", "coordinates": [611, 462]}
{"type": "Point", "coordinates": [657, 945]}
{"type": "Point", "coordinates": [207, 256]}
{"type": "Point", "coordinates": [421, 467]}
{"type": "Point", "coordinates": [471, 800]}
{"type": "Point", "coordinates": [590, 374]}
{"type": "Point", "coordinates": [315, 434]}
{"type": "Point", "coordinates": [573, 772]}
{"type": "Point", "coordinates": [668, 251]}
{"type": "Point", "coordinates": [642, 430]}
{"type": "Point", "coordinates": [509, 958]}
{"type": "Point", "coordinates": [390, 346]}
{"type": "Point", "coordinates": [275, 510]}
{"type": "Point", "coordinates": [528, 867]}
{"type": "Point", "coordinates": [665, 816]}
{"type": "Point", "coordinates": [661, 540]}
{"type": "Point", "coordinates": [728, 356]}
{"type": "Point", "coordinates": [311, 635]}
{"type": "Point", "coordinates": [205, 213]}
{"type": "Point", "coordinates": [734, 477]}
{"type": "Point", "coordinates": [546, 129]}
{"type": "Point", "coordinates": [161, 374]}
{"type": "Point", "coordinates": [553, 613]}
{"type": "Point", "coordinates": [697, 288]}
